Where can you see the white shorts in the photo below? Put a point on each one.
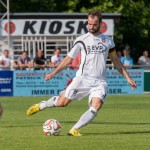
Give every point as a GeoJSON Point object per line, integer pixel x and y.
{"type": "Point", "coordinates": [81, 87]}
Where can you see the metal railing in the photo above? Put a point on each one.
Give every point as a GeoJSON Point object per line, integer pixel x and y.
{"type": "Point", "coordinates": [47, 67]}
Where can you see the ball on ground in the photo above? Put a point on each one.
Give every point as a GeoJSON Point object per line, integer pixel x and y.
{"type": "Point", "coordinates": [51, 127]}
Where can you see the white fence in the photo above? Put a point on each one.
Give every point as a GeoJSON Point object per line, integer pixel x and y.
{"type": "Point", "coordinates": [33, 43]}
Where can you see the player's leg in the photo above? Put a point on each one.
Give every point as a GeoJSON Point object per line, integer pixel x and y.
{"type": "Point", "coordinates": [96, 100]}
{"type": "Point", "coordinates": [87, 117]}
{"type": "Point", "coordinates": [58, 101]}
{"type": "Point", "coordinates": [55, 101]}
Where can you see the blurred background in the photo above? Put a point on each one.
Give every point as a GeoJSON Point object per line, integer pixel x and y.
{"type": "Point", "coordinates": [36, 33]}
{"type": "Point", "coordinates": [132, 17]}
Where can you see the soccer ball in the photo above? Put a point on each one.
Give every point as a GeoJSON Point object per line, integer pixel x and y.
{"type": "Point", "coordinates": [51, 127]}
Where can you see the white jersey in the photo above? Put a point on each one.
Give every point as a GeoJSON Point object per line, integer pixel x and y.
{"type": "Point", "coordinates": [5, 61]}
{"type": "Point", "coordinates": [56, 59]}
{"type": "Point", "coordinates": [94, 52]}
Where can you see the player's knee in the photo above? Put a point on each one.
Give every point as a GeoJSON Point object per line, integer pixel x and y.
{"type": "Point", "coordinates": [62, 103]}
{"type": "Point", "coordinates": [98, 104]}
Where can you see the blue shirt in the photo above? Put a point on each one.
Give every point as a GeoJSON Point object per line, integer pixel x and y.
{"type": "Point", "coordinates": [127, 61]}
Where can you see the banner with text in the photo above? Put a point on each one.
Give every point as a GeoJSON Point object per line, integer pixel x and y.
{"type": "Point", "coordinates": [32, 83]}
{"type": "Point", "coordinates": [6, 83]}
{"type": "Point", "coordinates": [51, 27]}
{"type": "Point", "coordinates": [117, 84]}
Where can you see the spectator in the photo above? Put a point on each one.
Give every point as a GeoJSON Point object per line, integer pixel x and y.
{"type": "Point", "coordinates": [56, 58]}
{"type": "Point", "coordinates": [144, 60]}
{"type": "Point", "coordinates": [119, 54]}
{"type": "Point", "coordinates": [76, 62]}
{"type": "Point", "coordinates": [127, 60]}
{"type": "Point", "coordinates": [6, 62]}
{"type": "Point", "coordinates": [39, 60]}
{"type": "Point", "coordinates": [24, 61]}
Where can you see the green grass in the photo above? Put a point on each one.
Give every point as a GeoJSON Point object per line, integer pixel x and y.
{"type": "Point", "coordinates": [122, 124]}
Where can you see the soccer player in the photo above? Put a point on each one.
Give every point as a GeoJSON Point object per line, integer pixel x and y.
{"type": "Point", "coordinates": [91, 77]}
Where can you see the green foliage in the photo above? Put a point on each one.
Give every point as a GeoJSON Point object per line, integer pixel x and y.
{"type": "Point", "coordinates": [134, 26]}
{"type": "Point", "coordinates": [122, 124]}
{"type": "Point", "coordinates": [36, 6]}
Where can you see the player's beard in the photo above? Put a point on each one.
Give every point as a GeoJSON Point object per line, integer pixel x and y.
{"type": "Point", "coordinates": [95, 31]}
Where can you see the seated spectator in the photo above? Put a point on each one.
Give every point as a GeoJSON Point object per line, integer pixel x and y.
{"type": "Point", "coordinates": [127, 60]}
{"type": "Point", "coordinates": [144, 60]}
{"type": "Point", "coordinates": [56, 58]}
{"type": "Point", "coordinates": [119, 54]}
{"type": "Point", "coordinates": [39, 60]}
{"type": "Point", "coordinates": [24, 61]}
{"type": "Point", "coordinates": [76, 62]}
{"type": "Point", "coordinates": [6, 62]}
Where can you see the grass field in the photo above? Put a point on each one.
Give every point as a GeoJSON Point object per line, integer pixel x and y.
{"type": "Point", "coordinates": [122, 124]}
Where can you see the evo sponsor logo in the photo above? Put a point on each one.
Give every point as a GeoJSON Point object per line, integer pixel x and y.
{"type": "Point", "coordinates": [99, 48]}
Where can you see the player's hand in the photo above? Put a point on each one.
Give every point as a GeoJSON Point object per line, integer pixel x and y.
{"type": "Point", "coordinates": [132, 83]}
{"type": "Point", "coordinates": [49, 76]}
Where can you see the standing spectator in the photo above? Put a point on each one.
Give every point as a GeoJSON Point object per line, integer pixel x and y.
{"type": "Point", "coordinates": [24, 61]}
{"type": "Point", "coordinates": [127, 60]}
{"type": "Point", "coordinates": [39, 60]}
{"type": "Point", "coordinates": [56, 58]}
{"type": "Point", "coordinates": [5, 61]}
{"type": "Point", "coordinates": [144, 60]}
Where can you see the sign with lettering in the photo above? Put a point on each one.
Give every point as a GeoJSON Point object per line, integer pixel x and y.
{"type": "Point", "coordinates": [51, 27]}
{"type": "Point", "coordinates": [32, 83]}
{"type": "Point", "coordinates": [6, 83]}
{"type": "Point", "coordinates": [117, 84]}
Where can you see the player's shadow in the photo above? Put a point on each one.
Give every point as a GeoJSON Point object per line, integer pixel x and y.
{"type": "Point", "coordinates": [122, 123]}
{"type": "Point", "coordinates": [111, 123]}
{"type": "Point", "coordinates": [117, 133]}
{"type": "Point", "coordinates": [114, 123]}
{"type": "Point", "coordinates": [120, 132]}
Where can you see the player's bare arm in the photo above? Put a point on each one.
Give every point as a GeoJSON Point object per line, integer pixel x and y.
{"type": "Point", "coordinates": [64, 64]}
{"type": "Point", "coordinates": [119, 66]}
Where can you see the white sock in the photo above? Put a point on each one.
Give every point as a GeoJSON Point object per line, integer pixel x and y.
{"type": "Point", "coordinates": [52, 102]}
{"type": "Point", "coordinates": [86, 118]}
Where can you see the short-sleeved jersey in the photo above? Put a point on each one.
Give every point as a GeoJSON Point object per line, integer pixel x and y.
{"type": "Point", "coordinates": [56, 59]}
{"type": "Point", "coordinates": [127, 61]}
{"type": "Point", "coordinates": [144, 60]}
{"type": "Point", "coordinates": [24, 61]}
{"type": "Point", "coordinates": [94, 52]}
{"type": "Point", "coordinates": [5, 60]}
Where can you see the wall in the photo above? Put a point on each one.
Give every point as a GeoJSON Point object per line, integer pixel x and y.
{"type": "Point", "coordinates": [32, 83]}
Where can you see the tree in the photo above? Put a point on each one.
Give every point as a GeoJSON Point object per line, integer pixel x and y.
{"type": "Point", "coordinates": [134, 27]}
{"type": "Point", "coordinates": [36, 6]}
